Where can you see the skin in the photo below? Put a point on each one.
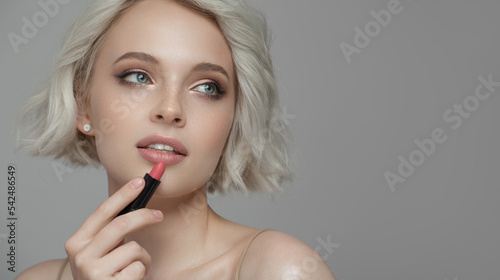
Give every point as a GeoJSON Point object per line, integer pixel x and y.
{"type": "Point", "coordinates": [178, 236]}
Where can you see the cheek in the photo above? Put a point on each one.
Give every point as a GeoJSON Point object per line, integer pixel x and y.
{"type": "Point", "coordinates": [104, 122]}
{"type": "Point", "coordinates": [105, 129]}
{"type": "Point", "coordinates": [218, 133]}
{"type": "Point", "coordinates": [113, 112]}
{"type": "Point", "coordinates": [116, 128]}
{"type": "Point", "coordinates": [217, 125]}
{"type": "Point", "coordinates": [110, 117]}
{"type": "Point", "coordinates": [211, 135]}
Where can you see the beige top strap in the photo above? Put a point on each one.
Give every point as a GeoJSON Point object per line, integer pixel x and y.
{"type": "Point", "coordinates": [59, 275]}
{"type": "Point", "coordinates": [238, 268]}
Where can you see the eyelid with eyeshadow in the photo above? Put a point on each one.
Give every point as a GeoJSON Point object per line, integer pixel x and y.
{"type": "Point", "coordinates": [121, 77]}
{"type": "Point", "coordinates": [218, 87]}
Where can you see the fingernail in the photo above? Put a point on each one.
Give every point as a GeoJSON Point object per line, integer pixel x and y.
{"type": "Point", "coordinates": [158, 214]}
{"type": "Point", "coordinates": [137, 183]}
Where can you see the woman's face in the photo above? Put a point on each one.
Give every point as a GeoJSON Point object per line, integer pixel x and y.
{"type": "Point", "coordinates": [163, 70]}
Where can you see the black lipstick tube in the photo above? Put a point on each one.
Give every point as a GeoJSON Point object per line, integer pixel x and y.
{"type": "Point", "coordinates": [144, 196]}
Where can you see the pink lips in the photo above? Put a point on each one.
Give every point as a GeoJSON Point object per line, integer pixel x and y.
{"type": "Point", "coordinates": [157, 156]}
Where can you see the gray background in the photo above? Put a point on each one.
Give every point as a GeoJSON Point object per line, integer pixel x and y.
{"type": "Point", "coordinates": [351, 122]}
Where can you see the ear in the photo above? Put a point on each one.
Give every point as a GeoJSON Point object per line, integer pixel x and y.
{"type": "Point", "coordinates": [83, 118]}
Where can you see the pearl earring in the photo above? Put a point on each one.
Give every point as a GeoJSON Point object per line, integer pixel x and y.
{"type": "Point", "coordinates": [86, 127]}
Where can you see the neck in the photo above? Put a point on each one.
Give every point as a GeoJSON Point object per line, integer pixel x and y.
{"type": "Point", "coordinates": [187, 235]}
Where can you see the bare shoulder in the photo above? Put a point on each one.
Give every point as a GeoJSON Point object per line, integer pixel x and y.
{"type": "Point", "coordinates": [44, 270]}
{"type": "Point", "coordinates": [277, 255]}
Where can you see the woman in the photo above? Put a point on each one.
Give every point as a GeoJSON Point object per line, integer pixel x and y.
{"type": "Point", "coordinates": [189, 83]}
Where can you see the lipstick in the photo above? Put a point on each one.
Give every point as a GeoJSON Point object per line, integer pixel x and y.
{"type": "Point", "coordinates": [152, 181]}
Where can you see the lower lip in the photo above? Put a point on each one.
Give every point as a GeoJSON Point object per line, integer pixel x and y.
{"type": "Point", "coordinates": [155, 157]}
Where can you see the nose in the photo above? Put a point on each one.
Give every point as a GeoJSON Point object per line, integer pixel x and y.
{"type": "Point", "coordinates": [169, 109]}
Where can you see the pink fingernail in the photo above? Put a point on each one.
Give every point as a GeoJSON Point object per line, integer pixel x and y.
{"type": "Point", "coordinates": [137, 183]}
{"type": "Point", "coordinates": [158, 214]}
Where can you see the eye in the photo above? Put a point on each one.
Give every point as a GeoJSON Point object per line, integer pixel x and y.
{"type": "Point", "coordinates": [208, 88]}
{"type": "Point", "coordinates": [212, 89]}
{"type": "Point", "coordinates": [135, 78]}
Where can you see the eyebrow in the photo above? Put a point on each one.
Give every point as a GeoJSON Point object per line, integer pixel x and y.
{"type": "Point", "coordinates": [206, 66]}
{"type": "Point", "coordinates": [200, 67]}
{"type": "Point", "coordinates": [138, 55]}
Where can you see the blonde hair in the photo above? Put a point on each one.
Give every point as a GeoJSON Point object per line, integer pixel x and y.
{"type": "Point", "coordinates": [257, 155]}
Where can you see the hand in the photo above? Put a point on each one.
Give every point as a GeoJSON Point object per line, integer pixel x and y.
{"type": "Point", "coordinates": [97, 251]}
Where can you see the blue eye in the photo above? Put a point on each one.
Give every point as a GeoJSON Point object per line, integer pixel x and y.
{"type": "Point", "coordinates": [134, 78]}
{"type": "Point", "coordinates": [212, 89]}
{"type": "Point", "coordinates": [208, 88]}
{"type": "Point", "coordinates": [137, 77]}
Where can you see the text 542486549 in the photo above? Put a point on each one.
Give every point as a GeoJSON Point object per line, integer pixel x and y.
{"type": "Point", "coordinates": [11, 217]}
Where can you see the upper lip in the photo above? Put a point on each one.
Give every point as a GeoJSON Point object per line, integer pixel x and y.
{"type": "Point", "coordinates": [160, 139]}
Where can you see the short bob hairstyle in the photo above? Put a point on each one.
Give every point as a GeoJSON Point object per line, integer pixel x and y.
{"type": "Point", "coordinates": [257, 155]}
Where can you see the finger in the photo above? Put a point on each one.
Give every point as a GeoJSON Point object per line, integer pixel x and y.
{"type": "Point", "coordinates": [123, 256]}
{"type": "Point", "coordinates": [109, 209]}
{"type": "Point", "coordinates": [134, 271]}
{"type": "Point", "coordinates": [114, 232]}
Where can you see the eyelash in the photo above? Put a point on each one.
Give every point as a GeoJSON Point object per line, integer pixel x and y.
{"type": "Point", "coordinates": [122, 76]}
{"type": "Point", "coordinates": [218, 87]}
{"type": "Point", "coordinates": [220, 90]}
